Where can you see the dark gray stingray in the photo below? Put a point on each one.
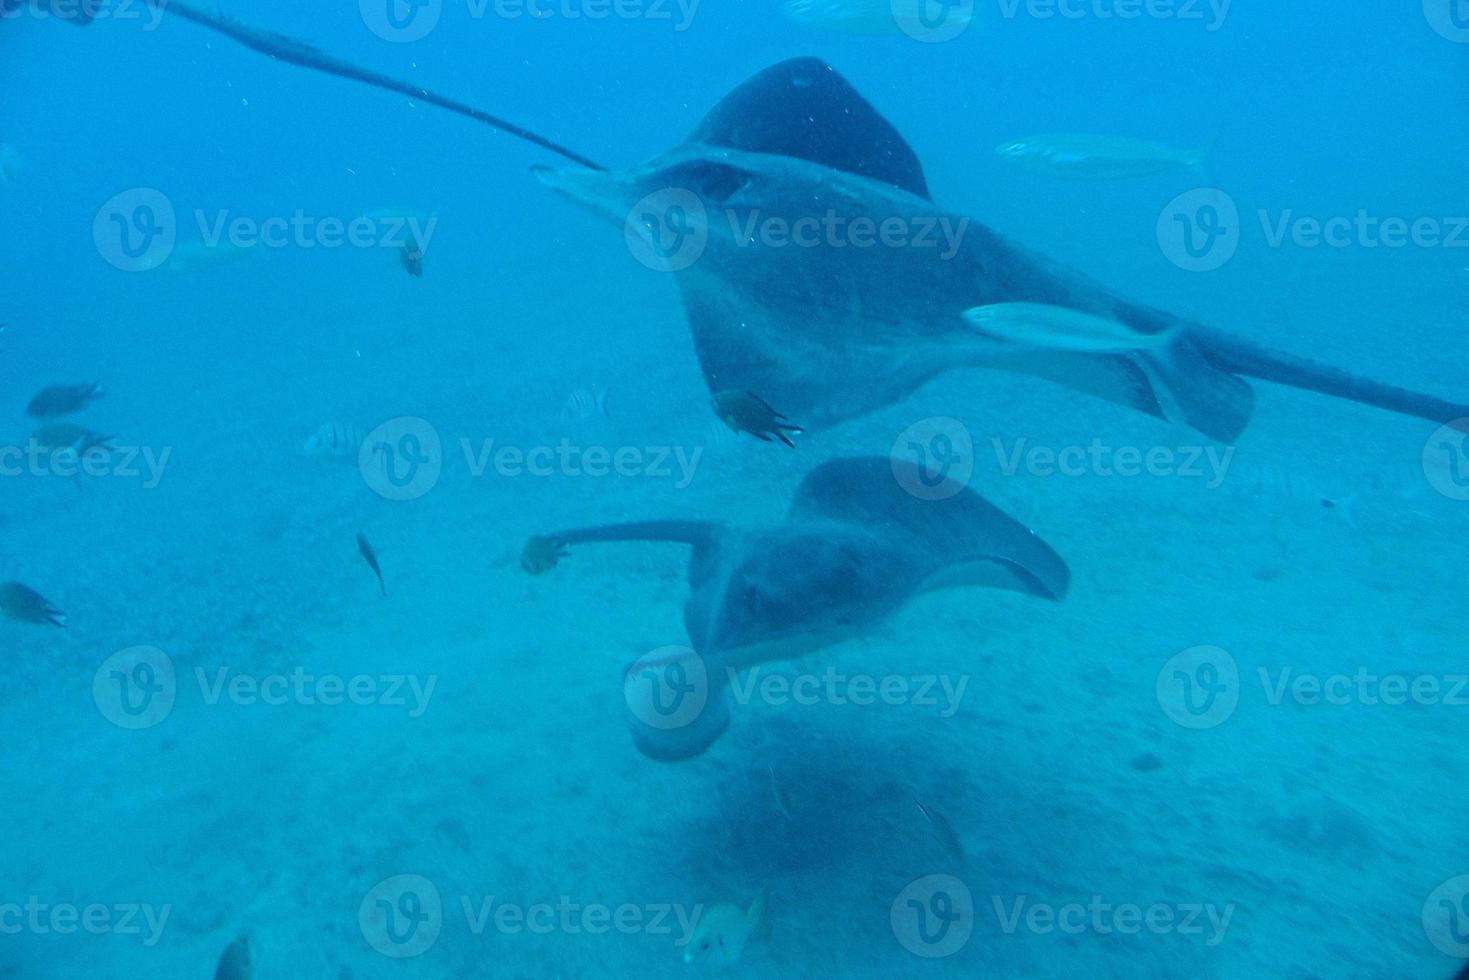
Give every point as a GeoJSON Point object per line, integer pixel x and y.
{"type": "Point", "coordinates": [827, 333]}
{"type": "Point", "coordinates": [855, 547]}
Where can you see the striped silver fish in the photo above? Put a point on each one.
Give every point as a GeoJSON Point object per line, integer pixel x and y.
{"type": "Point", "coordinates": [335, 440]}
{"type": "Point", "coordinates": [586, 404]}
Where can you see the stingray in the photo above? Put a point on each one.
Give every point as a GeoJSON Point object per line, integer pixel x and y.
{"type": "Point", "coordinates": [827, 334]}
{"type": "Point", "coordinates": [832, 331]}
{"type": "Point", "coordinates": [862, 538]}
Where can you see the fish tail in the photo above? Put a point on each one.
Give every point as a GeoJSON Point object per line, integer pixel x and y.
{"type": "Point", "coordinates": [1191, 388]}
{"type": "Point", "coordinates": [1242, 357]}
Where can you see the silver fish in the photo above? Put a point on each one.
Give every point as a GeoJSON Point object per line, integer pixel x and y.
{"type": "Point", "coordinates": [943, 832]}
{"type": "Point", "coordinates": [1060, 328]}
{"type": "Point", "coordinates": [1083, 157]}
{"type": "Point", "coordinates": [585, 404]}
{"type": "Point", "coordinates": [873, 18]}
{"type": "Point", "coordinates": [335, 440]}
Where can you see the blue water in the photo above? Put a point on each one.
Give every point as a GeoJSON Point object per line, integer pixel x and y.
{"type": "Point", "coordinates": [487, 755]}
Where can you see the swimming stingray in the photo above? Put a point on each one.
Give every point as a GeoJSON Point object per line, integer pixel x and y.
{"type": "Point", "coordinates": [831, 330]}
{"type": "Point", "coordinates": [862, 538]}
{"type": "Point", "coordinates": [828, 333]}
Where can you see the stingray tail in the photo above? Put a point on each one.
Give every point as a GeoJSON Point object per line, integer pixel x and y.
{"type": "Point", "coordinates": [1232, 354]}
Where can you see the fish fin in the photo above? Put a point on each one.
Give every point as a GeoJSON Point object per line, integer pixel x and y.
{"type": "Point", "coordinates": [759, 915]}
{"type": "Point", "coordinates": [803, 109]}
{"type": "Point", "coordinates": [970, 540]}
{"type": "Point", "coordinates": [1192, 389]}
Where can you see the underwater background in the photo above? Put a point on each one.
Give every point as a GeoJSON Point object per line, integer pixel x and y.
{"type": "Point", "coordinates": [1300, 837]}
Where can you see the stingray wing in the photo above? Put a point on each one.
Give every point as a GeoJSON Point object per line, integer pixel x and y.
{"type": "Point", "coordinates": [970, 540]}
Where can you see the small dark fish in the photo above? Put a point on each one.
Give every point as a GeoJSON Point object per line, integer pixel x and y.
{"type": "Point", "coordinates": [234, 963]}
{"type": "Point", "coordinates": [23, 603]}
{"type": "Point", "coordinates": [746, 412]}
{"type": "Point", "coordinates": [412, 258]}
{"type": "Point", "coordinates": [64, 438]}
{"type": "Point", "coordinates": [943, 832]}
{"type": "Point", "coordinates": [59, 401]}
{"type": "Point", "coordinates": [370, 556]}
{"type": "Point", "coordinates": [541, 555]}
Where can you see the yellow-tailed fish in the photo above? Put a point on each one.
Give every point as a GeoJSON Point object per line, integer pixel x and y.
{"type": "Point", "coordinates": [722, 932]}
{"type": "Point", "coordinates": [1083, 157]}
{"type": "Point", "coordinates": [1060, 328]}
